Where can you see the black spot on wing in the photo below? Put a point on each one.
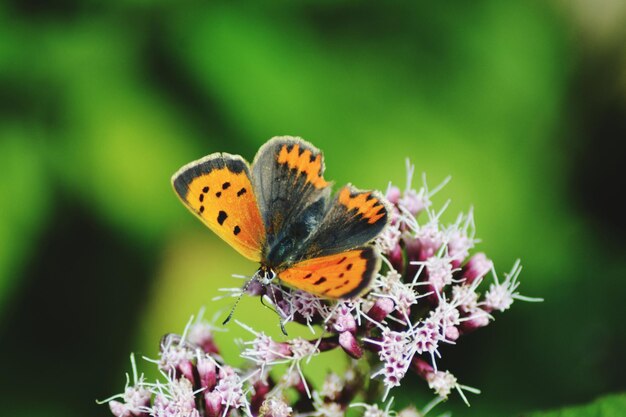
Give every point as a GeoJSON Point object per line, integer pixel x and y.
{"type": "Point", "coordinates": [218, 194]}
{"type": "Point", "coordinates": [225, 186]}
{"type": "Point", "coordinates": [221, 217]}
{"type": "Point", "coordinates": [309, 275]}
{"type": "Point", "coordinates": [320, 281]}
{"type": "Point", "coordinates": [201, 209]}
{"type": "Point", "coordinates": [205, 189]}
{"type": "Point", "coordinates": [241, 192]}
{"type": "Point", "coordinates": [201, 198]}
{"type": "Point", "coordinates": [236, 230]}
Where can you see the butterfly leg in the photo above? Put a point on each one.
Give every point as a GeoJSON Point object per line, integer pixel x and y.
{"type": "Point", "coordinates": [275, 309]}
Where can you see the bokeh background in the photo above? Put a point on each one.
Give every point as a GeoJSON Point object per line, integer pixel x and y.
{"type": "Point", "coordinates": [523, 103]}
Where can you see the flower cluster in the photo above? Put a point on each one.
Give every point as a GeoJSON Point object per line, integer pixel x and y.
{"type": "Point", "coordinates": [427, 294]}
{"type": "Point", "coordinates": [197, 383]}
{"type": "Point", "coordinates": [432, 290]}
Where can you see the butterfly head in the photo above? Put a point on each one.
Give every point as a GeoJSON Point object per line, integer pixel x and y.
{"type": "Point", "coordinates": [265, 275]}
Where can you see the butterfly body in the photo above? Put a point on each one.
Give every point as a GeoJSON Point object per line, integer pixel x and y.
{"type": "Point", "coordinates": [280, 213]}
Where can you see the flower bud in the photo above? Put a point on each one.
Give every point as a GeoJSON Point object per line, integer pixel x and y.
{"type": "Point", "coordinates": [421, 367]}
{"type": "Point", "coordinates": [478, 321]}
{"type": "Point", "coordinates": [413, 248]}
{"type": "Point", "coordinates": [186, 369]}
{"type": "Point", "coordinates": [380, 310]}
{"type": "Point", "coordinates": [350, 345]}
{"type": "Point", "coordinates": [208, 373]}
{"type": "Point", "coordinates": [452, 333]}
{"type": "Point", "coordinates": [201, 335]}
{"type": "Point", "coordinates": [477, 267]}
{"type": "Point", "coordinates": [213, 404]}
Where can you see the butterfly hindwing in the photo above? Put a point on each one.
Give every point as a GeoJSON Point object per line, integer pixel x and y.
{"type": "Point", "coordinates": [354, 218]}
{"type": "Point", "coordinates": [217, 188]}
{"type": "Point", "coordinates": [342, 275]}
{"type": "Point", "coordinates": [287, 174]}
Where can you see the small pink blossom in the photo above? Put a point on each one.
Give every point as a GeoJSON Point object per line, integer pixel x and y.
{"type": "Point", "coordinates": [402, 294]}
{"type": "Point", "coordinates": [442, 383]}
{"type": "Point", "coordinates": [439, 272]}
{"type": "Point", "coordinates": [501, 295]}
{"type": "Point", "coordinates": [427, 337]}
{"type": "Point", "coordinates": [343, 320]}
{"type": "Point", "coordinates": [177, 399]}
{"type": "Point", "coordinates": [230, 388]}
{"type": "Point", "coordinates": [136, 401]}
{"type": "Point", "coordinates": [427, 242]}
{"type": "Point", "coordinates": [389, 239]}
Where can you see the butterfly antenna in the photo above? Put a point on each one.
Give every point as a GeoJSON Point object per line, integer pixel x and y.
{"type": "Point", "coordinates": [232, 310]}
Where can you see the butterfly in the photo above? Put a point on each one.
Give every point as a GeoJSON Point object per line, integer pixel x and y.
{"type": "Point", "coordinates": [279, 212]}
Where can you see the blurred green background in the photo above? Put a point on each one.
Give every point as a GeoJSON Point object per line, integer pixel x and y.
{"type": "Point", "coordinates": [523, 103]}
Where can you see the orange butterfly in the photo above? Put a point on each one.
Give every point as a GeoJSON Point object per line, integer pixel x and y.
{"type": "Point", "coordinates": [279, 212]}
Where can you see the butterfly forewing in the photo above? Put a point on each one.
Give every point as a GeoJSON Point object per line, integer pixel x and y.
{"type": "Point", "coordinates": [343, 275]}
{"type": "Point", "coordinates": [287, 174]}
{"type": "Point", "coordinates": [217, 188]}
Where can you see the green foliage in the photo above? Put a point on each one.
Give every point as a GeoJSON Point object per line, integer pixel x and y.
{"type": "Point", "coordinates": [609, 406]}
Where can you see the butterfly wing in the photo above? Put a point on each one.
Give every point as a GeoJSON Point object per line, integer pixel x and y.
{"type": "Point", "coordinates": [217, 189]}
{"type": "Point", "coordinates": [287, 174]}
{"type": "Point", "coordinates": [342, 275]}
{"type": "Point", "coordinates": [355, 217]}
